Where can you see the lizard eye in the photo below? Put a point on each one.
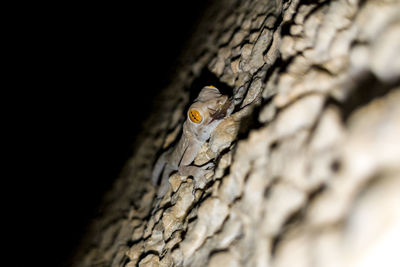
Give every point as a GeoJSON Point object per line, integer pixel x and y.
{"type": "Point", "coordinates": [195, 116]}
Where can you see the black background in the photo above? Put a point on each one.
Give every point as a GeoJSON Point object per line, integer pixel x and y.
{"type": "Point", "coordinates": [93, 73]}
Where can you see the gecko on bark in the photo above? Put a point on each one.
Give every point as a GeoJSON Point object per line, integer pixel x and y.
{"type": "Point", "coordinates": [203, 116]}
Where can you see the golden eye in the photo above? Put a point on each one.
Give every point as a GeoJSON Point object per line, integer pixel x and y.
{"type": "Point", "coordinates": [195, 116]}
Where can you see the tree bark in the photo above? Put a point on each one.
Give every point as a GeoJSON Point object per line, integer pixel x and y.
{"type": "Point", "coordinates": [310, 175]}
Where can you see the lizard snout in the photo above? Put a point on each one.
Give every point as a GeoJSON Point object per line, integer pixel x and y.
{"type": "Point", "coordinates": [221, 110]}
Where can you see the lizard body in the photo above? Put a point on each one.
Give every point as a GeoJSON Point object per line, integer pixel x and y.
{"type": "Point", "coordinates": [203, 116]}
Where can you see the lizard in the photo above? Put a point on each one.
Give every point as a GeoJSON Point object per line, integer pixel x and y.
{"type": "Point", "coordinates": [203, 116]}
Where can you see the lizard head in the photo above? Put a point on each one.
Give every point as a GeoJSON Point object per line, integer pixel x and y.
{"type": "Point", "coordinates": [210, 106]}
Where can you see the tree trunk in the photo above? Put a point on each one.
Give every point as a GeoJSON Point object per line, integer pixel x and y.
{"type": "Point", "coordinates": [309, 174]}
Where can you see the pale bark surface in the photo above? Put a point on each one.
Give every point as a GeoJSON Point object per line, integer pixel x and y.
{"type": "Point", "coordinates": [307, 175]}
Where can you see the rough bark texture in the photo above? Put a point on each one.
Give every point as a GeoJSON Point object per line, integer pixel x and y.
{"type": "Point", "coordinates": [307, 171]}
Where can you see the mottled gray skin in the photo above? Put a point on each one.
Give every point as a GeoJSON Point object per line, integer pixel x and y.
{"type": "Point", "coordinates": [213, 107]}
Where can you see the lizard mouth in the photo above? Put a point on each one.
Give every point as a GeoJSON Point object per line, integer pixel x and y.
{"type": "Point", "coordinates": [221, 111]}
